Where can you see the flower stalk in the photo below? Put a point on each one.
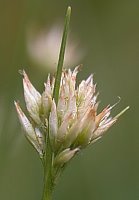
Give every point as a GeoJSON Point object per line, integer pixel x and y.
{"type": "Point", "coordinates": [48, 170]}
{"type": "Point", "coordinates": [48, 158]}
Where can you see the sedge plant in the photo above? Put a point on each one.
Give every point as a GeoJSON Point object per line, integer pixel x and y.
{"type": "Point", "coordinates": [62, 120]}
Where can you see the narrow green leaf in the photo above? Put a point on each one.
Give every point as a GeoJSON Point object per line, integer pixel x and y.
{"type": "Point", "coordinates": [61, 56]}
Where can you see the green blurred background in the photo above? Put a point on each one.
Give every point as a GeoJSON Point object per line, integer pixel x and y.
{"type": "Point", "coordinates": [108, 31]}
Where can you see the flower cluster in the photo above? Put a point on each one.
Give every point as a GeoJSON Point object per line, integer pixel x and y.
{"type": "Point", "coordinates": [72, 124]}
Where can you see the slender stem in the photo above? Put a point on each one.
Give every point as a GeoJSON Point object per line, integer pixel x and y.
{"type": "Point", "coordinates": [48, 157]}
{"type": "Point", "coordinates": [48, 168]}
{"type": "Point", "coordinates": [61, 56]}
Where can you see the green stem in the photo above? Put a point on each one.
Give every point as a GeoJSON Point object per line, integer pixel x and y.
{"type": "Point", "coordinates": [48, 157]}
{"type": "Point", "coordinates": [48, 168]}
{"type": "Point", "coordinates": [61, 56]}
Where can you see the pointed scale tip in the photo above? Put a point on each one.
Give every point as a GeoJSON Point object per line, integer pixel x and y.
{"type": "Point", "coordinates": [21, 72]}
{"type": "Point", "coordinates": [16, 103]}
{"type": "Point", "coordinates": [122, 112]}
{"type": "Point", "coordinates": [18, 109]}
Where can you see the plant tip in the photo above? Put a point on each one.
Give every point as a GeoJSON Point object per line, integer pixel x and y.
{"type": "Point", "coordinates": [69, 10]}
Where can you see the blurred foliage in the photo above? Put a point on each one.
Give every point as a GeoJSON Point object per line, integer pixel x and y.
{"type": "Point", "coordinates": [109, 32]}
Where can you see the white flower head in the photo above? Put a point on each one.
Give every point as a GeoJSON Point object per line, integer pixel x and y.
{"type": "Point", "coordinates": [72, 124]}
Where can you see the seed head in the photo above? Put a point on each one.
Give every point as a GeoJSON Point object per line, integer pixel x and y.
{"type": "Point", "coordinates": [73, 123]}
